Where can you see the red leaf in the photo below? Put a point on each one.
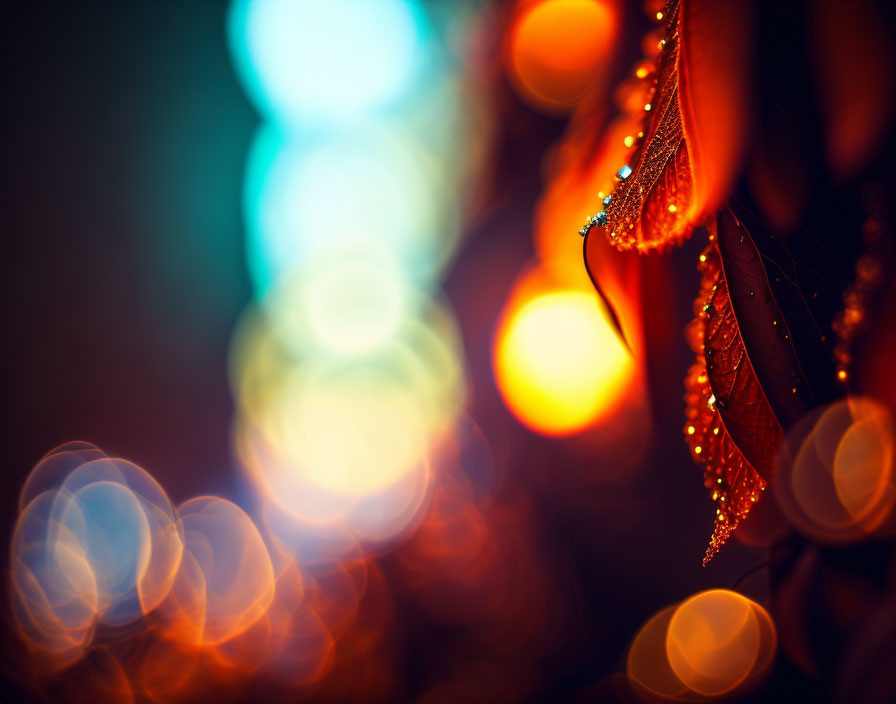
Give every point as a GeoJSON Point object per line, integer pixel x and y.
{"type": "Point", "coordinates": [731, 429]}
{"type": "Point", "coordinates": [690, 147]}
{"type": "Point", "coordinates": [648, 208]}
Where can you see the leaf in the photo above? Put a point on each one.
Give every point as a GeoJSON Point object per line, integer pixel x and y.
{"type": "Point", "coordinates": [808, 272]}
{"type": "Point", "coordinates": [648, 209]}
{"type": "Point", "coordinates": [612, 314]}
{"type": "Point", "coordinates": [784, 309]}
{"type": "Point", "coordinates": [691, 144]}
{"type": "Point", "coordinates": [739, 397]}
{"type": "Point", "coordinates": [763, 358]}
{"type": "Point", "coordinates": [730, 428]}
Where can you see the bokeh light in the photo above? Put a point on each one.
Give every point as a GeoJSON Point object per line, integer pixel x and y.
{"type": "Point", "coordinates": [306, 199]}
{"type": "Point", "coordinates": [717, 643]}
{"type": "Point", "coordinates": [340, 427]}
{"type": "Point", "coordinates": [231, 572]}
{"type": "Point", "coordinates": [346, 372]}
{"type": "Point", "coordinates": [558, 363]}
{"type": "Point", "coordinates": [55, 467]}
{"type": "Point", "coordinates": [647, 663]}
{"type": "Point", "coordinates": [124, 515]}
{"type": "Point", "coordinates": [558, 359]}
{"type": "Point", "coordinates": [54, 592]}
{"type": "Point", "coordinates": [354, 305]}
{"type": "Point", "coordinates": [105, 518]}
{"type": "Point", "coordinates": [161, 602]}
{"type": "Point", "coordinates": [345, 305]}
{"type": "Point", "coordinates": [303, 61]}
{"type": "Point", "coordinates": [835, 471]}
{"type": "Point", "coordinates": [557, 50]}
{"type": "Point", "coordinates": [713, 641]}
{"type": "Point", "coordinates": [100, 545]}
{"type": "Point", "coordinates": [347, 369]}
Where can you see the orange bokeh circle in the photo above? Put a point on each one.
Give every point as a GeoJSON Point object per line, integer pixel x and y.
{"type": "Point", "coordinates": [714, 640]}
{"type": "Point", "coordinates": [558, 363]}
{"type": "Point", "coordinates": [557, 50]}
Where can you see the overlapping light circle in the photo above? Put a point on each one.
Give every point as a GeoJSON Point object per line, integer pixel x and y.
{"type": "Point", "coordinates": [836, 479]}
{"type": "Point", "coordinates": [229, 582]}
{"type": "Point", "coordinates": [100, 560]}
{"type": "Point", "coordinates": [329, 441]}
{"type": "Point", "coordinates": [100, 544]}
{"type": "Point", "coordinates": [714, 644]}
{"type": "Point", "coordinates": [346, 369]}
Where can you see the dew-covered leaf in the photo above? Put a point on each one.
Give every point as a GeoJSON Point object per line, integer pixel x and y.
{"type": "Point", "coordinates": [648, 208]}
{"type": "Point", "coordinates": [731, 430]}
{"type": "Point", "coordinates": [688, 150]}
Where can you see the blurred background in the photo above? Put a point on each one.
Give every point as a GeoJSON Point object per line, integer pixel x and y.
{"type": "Point", "coordinates": [319, 264]}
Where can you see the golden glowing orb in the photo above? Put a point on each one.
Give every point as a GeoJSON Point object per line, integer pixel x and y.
{"type": "Point", "coordinates": [558, 363]}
